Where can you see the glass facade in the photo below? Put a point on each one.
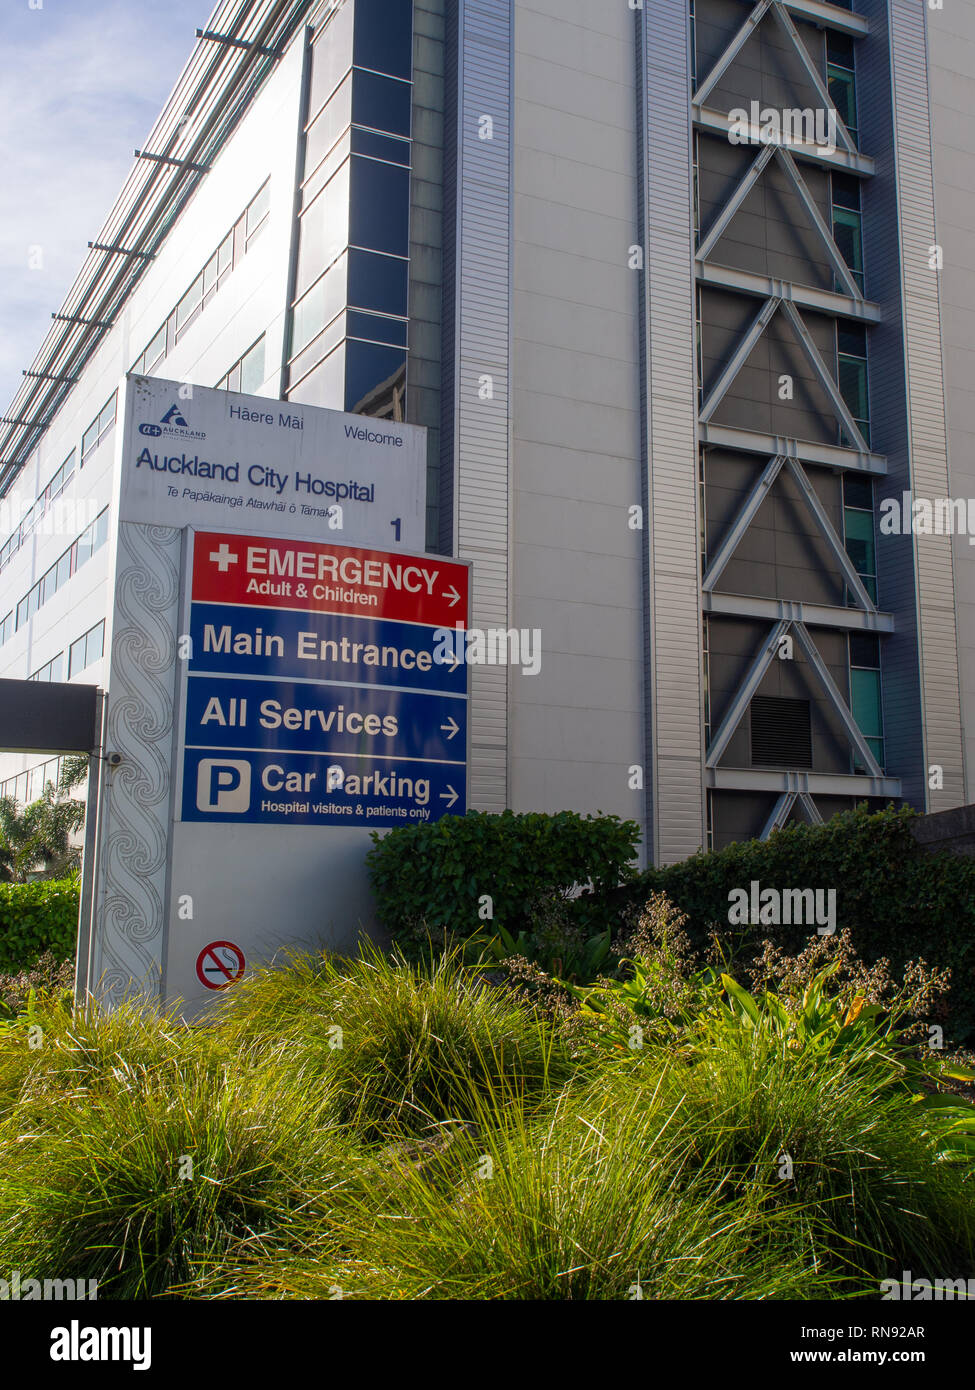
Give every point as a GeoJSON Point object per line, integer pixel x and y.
{"type": "Point", "coordinates": [866, 695]}
{"type": "Point", "coordinates": [348, 343]}
{"type": "Point", "coordinates": [858, 530]}
{"type": "Point", "coordinates": [851, 370]}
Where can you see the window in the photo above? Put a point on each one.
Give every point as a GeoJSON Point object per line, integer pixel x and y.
{"type": "Point", "coordinates": [381, 103]}
{"type": "Point", "coordinates": [841, 79]}
{"type": "Point", "coordinates": [866, 696]}
{"type": "Point", "coordinates": [375, 380]}
{"type": "Point", "coordinates": [247, 373]}
{"type": "Point", "coordinates": [379, 207]}
{"type": "Point", "coordinates": [389, 148]}
{"type": "Point", "coordinates": [189, 306]}
{"type": "Point", "coordinates": [38, 511]}
{"type": "Point", "coordinates": [51, 671]}
{"type": "Point", "coordinates": [378, 283]}
{"type": "Point", "coordinates": [98, 429]}
{"type": "Point", "coordinates": [851, 364]}
{"type": "Point", "coordinates": [858, 530]}
{"type": "Point", "coordinates": [228, 254]}
{"type": "Point", "coordinates": [256, 214]}
{"type": "Point", "coordinates": [384, 37]}
{"type": "Point", "coordinates": [91, 540]}
{"type": "Point", "coordinates": [89, 647]}
{"type": "Point", "coordinates": [848, 222]}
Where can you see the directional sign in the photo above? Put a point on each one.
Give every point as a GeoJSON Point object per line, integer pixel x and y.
{"type": "Point", "coordinates": [318, 692]}
{"type": "Point", "coordinates": [274, 788]}
{"type": "Point", "coordinates": [311, 718]}
{"type": "Point", "coordinates": [323, 647]}
{"type": "Point", "coordinates": [219, 964]}
{"type": "Point", "coordinates": [319, 578]}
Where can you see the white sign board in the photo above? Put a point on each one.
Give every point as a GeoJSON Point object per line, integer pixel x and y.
{"type": "Point", "coordinates": [196, 456]}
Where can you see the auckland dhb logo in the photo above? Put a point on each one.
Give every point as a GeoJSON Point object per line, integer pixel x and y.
{"type": "Point", "coordinates": [174, 424]}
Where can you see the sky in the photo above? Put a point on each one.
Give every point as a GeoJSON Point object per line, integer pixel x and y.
{"type": "Point", "coordinates": [83, 83]}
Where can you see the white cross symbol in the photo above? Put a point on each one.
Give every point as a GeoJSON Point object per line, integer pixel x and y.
{"type": "Point", "coordinates": [223, 558]}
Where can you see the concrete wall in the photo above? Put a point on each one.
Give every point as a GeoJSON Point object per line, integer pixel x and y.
{"type": "Point", "coordinates": [951, 50]}
{"type": "Point", "coordinates": [576, 727]}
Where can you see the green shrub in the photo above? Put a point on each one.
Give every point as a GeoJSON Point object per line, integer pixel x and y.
{"type": "Point", "coordinates": [405, 1047]}
{"type": "Point", "coordinates": [37, 917]}
{"type": "Point", "coordinates": [897, 901]}
{"type": "Point", "coordinates": [602, 1199]}
{"type": "Point", "coordinates": [434, 877]}
{"type": "Point", "coordinates": [48, 975]}
{"type": "Point", "coordinates": [146, 1160]}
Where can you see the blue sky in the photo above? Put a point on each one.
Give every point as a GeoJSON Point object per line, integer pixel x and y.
{"type": "Point", "coordinates": [83, 82]}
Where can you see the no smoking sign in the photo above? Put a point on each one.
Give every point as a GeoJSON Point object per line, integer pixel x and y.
{"type": "Point", "coordinates": [219, 964]}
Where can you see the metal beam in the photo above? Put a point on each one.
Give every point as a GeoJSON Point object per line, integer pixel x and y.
{"type": "Point", "coordinates": [743, 695]}
{"type": "Point", "coordinates": [811, 652]}
{"type": "Point", "coordinates": [748, 779]}
{"type": "Point", "coordinates": [724, 277]}
{"type": "Point", "coordinates": [830, 17]}
{"type": "Point", "coordinates": [826, 381]}
{"type": "Point", "coordinates": [211, 37]}
{"type": "Point", "coordinates": [770, 610]}
{"type": "Point", "coordinates": [85, 323]}
{"type": "Point", "coordinates": [122, 250]}
{"type": "Point", "coordinates": [783, 19]}
{"type": "Point", "coordinates": [720, 224]}
{"type": "Point", "coordinates": [822, 231]}
{"type": "Point", "coordinates": [810, 808]}
{"type": "Point", "coordinates": [719, 123]}
{"type": "Point", "coordinates": [739, 357]}
{"type": "Point", "coordinates": [173, 159]}
{"type": "Point", "coordinates": [730, 53]}
{"type": "Point", "coordinates": [780, 814]}
{"type": "Point", "coordinates": [827, 530]}
{"type": "Point", "coordinates": [51, 376]}
{"type": "Point", "coordinates": [806, 450]}
{"type": "Point", "coordinates": [746, 515]}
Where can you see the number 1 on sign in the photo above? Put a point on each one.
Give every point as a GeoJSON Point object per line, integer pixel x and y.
{"type": "Point", "coordinates": [397, 523]}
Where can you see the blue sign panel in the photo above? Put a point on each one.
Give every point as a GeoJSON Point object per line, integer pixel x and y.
{"type": "Point", "coordinates": [283, 788]}
{"type": "Point", "coordinates": [323, 647]}
{"type": "Point", "coordinates": [305, 717]}
{"type": "Point", "coordinates": [299, 717]}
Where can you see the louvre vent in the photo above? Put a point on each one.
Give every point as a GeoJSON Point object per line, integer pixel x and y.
{"type": "Point", "coordinates": [781, 732]}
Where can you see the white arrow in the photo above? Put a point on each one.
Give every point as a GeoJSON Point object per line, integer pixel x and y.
{"type": "Point", "coordinates": [452, 726]}
{"type": "Point", "coordinates": [452, 798]}
{"type": "Point", "coordinates": [447, 594]}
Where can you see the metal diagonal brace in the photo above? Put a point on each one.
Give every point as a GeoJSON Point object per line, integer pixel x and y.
{"type": "Point", "coordinates": [780, 814]}
{"type": "Point", "coordinates": [826, 381]}
{"type": "Point", "coordinates": [739, 357]}
{"type": "Point", "coordinates": [811, 652]}
{"type": "Point", "coordinates": [733, 49]}
{"type": "Point", "coordinates": [810, 808]}
{"type": "Point", "coordinates": [811, 498]}
{"type": "Point", "coordinates": [746, 690]}
{"type": "Point", "coordinates": [720, 224]}
{"type": "Point", "coordinates": [781, 14]}
{"type": "Point", "coordinates": [825, 235]}
{"type": "Point", "coordinates": [742, 521]}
